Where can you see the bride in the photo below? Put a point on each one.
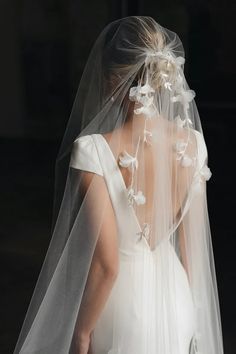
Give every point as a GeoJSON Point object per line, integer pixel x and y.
{"type": "Point", "coordinates": [130, 266]}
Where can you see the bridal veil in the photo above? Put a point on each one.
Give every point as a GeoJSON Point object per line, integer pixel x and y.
{"type": "Point", "coordinates": [134, 76]}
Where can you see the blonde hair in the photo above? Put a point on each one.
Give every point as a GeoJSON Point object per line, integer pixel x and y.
{"type": "Point", "coordinates": [148, 39]}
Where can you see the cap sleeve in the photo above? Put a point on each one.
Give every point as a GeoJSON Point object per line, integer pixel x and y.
{"type": "Point", "coordinates": [84, 155]}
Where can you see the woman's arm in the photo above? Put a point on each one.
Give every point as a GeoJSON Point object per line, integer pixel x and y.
{"type": "Point", "coordinates": [104, 265]}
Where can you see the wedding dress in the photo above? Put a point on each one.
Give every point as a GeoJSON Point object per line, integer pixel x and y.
{"type": "Point", "coordinates": [138, 264]}
{"type": "Point", "coordinates": [133, 158]}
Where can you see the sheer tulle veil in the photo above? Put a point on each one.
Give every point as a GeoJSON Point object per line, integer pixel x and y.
{"type": "Point", "coordinates": [134, 78]}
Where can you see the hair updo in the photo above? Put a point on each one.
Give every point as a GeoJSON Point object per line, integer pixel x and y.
{"type": "Point", "coordinates": [126, 41]}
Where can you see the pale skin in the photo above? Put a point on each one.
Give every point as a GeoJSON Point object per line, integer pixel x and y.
{"type": "Point", "coordinates": [104, 267]}
{"type": "Point", "coordinates": [105, 262]}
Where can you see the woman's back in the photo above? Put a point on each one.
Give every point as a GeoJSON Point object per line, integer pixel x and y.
{"type": "Point", "coordinates": [140, 159]}
{"type": "Point", "coordinates": [136, 299]}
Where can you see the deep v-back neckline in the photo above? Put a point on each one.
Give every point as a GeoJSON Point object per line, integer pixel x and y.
{"type": "Point", "coordinates": [124, 188]}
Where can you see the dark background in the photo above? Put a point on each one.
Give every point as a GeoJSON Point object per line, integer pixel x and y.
{"type": "Point", "coordinates": [44, 46]}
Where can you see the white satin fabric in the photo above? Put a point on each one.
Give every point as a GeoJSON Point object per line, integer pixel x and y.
{"type": "Point", "coordinates": [135, 300]}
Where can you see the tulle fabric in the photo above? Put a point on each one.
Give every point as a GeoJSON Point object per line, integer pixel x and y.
{"type": "Point", "coordinates": [135, 128]}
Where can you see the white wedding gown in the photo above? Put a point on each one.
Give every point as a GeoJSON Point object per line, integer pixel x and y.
{"type": "Point", "coordinates": [127, 324]}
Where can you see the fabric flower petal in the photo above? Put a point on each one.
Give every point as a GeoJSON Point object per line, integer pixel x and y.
{"type": "Point", "coordinates": [126, 160]}
{"type": "Point", "coordinates": [139, 198]}
{"type": "Point", "coordinates": [186, 161]}
{"type": "Point", "coordinates": [146, 101]}
{"type": "Point", "coordinates": [133, 91]}
{"type": "Point", "coordinates": [179, 121]}
{"type": "Point", "coordinates": [179, 61]}
{"type": "Point", "coordinates": [148, 111]}
{"type": "Point", "coordinates": [146, 89]}
{"type": "Point", "coordinates": [146, 136]}
{"type": "Point", "coordinates": [180, 145]}
{"type": "Point", "coordinates": [167, 85]}
{"type": "Point", "coordinates": [145, 232]}
{"type": "Point", "coordinates": [184, 97]}
{"type": "Point", "coordinates": [206, 172]}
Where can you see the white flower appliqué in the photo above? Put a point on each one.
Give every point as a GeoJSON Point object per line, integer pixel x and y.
{"type": "Point", "coordinates": [167, 85]}
{"type": "Point", "coordinates": [184, 97]}
{"type": "Point", "coordinates": [144, 96]}
{"type": "Point", "coordinates": [182, 122]}
{"type": "Point", "coordinates": [146, 110]}
{"type": "Point", "coordinates": [126, 160]}
{"type": "Point", "coordinates": [180, 147]}
{"type": "Point", "coordinates": [179, 61]}
{"type": "Point", "coordinates": [179, 121]}
{"type": "Point", "coordinates": [147, 135]}
{"type": "Point", "coordinates": [141, 94]}
{"type": "Point", "coordinates": [138, 198]}
{"type": "Point", "coordinates": [205, 172]}
{"type": "Point", "coordinates": [145, 232]}
{"type": "Point", "coordinates": [186, 161]}
{"type": "Point", "coordinates": [145, 89]}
